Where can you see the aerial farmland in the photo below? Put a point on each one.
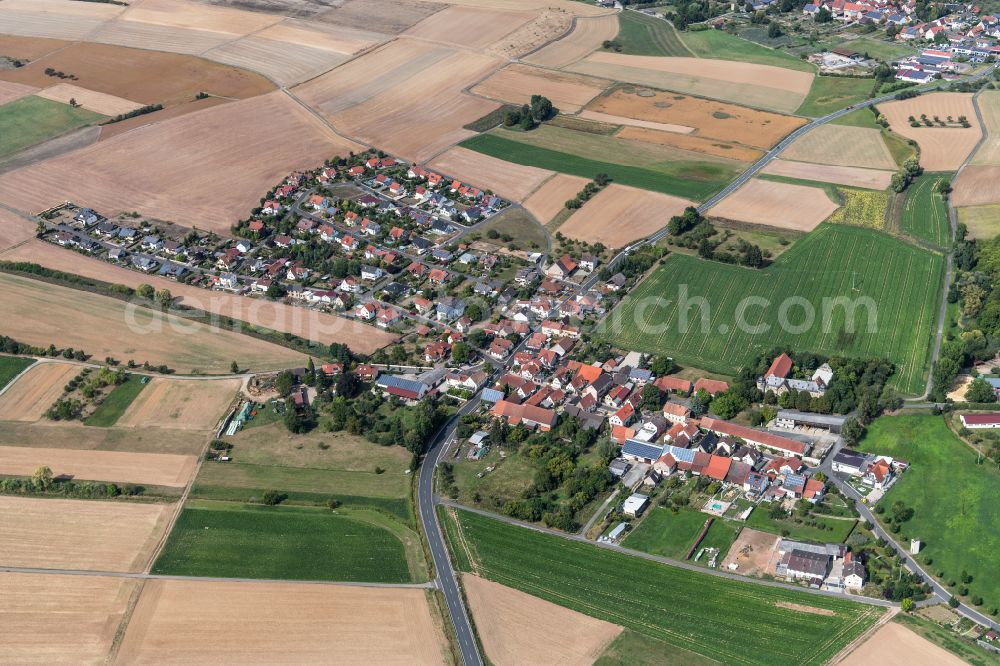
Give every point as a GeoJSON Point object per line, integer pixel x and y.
{"type": "Point", "coordinates": [498, 331]}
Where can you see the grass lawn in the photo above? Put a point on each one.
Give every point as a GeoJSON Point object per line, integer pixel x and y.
{"type": "Point", "coordinates": [963, 648]}
{"type": "Point", "coordinates": [513, 475]}
{"type": "Point", "coordinates": [12, 366]}
{"type": "Point", "coordinates": [831, 93]}
{"type": "Point", "coordinates": [981, 221]}
{"type": "Point", "coordinates": [295, 543]}
{"type": "Point", "coordinates": [645, 166]}
{"type": "Point", "coordinates": [859, 118]}
{"type": "Point", "coordinates": [879, 48]}
{"type": "Point", "coordinates": [720, 45]}
{"type": "Point", "coordinates": [265, 416]}
{"type": "Point", "coordinates": [825, 530]}
{"type": "Point", "coordinates": [834, 261]}
{"type": "Point", "coordinates": [665, 533]}
{"type": "Point", "coordinates": [733, 622]}
{"type": "Point", "coordinates": [634, 649]}
{"type": "Point", "coordinates": [899, 147]}
{"type": "Point", "coordinates": [953, 499]}
{"type": "Point", "coordinates": [925, 213]}
{"type": "Point", "coordinates": [116, 402]}
{"type": "Point", "coordinates": [31, 120]}
{"type": "Point", "coordinates": [641, 34]}
{"type": "Point", "coordinates": [527, 234]}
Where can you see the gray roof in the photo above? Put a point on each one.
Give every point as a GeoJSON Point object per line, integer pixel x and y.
{"type": "Point", "coordinates": [813, 564]}
{"type": "Point", "coordinates": [807, 417]}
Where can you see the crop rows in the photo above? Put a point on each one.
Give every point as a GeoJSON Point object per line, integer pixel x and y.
{"type": "Point", "coordinates": [731, 621]}
{"type": "Point", "coordinates": [894, 285]}
{"type": "Point", "coordinates": [925, 214]}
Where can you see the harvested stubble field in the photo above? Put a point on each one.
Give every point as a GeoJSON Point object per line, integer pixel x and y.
{"type": "Point", "coordinates": [609, 119]}
{"type": "Point", "coordinates": [54, 619]}
{"type": "Point", "coordinates": [989, 105]}
{"type": "Point", "coordinates": [761, 86]}
{"type": "Point", "coordinates": [10, 91]}
{"type": "Point", "coordinates": [198, 16]}
{"type": "Point", "coordinates": [405, 97]}
{"type": "Point", "coordinates": [180, 404]}
{"type": "Point", "coordinates": [981, 221]}
{"type": "Point", "coordinates": [273, 315]}
{"type": "Point", "coordinates": [14, 229]}
{"type": "Point", "coordinates": [692, 143]}
{"type": "Point", "coordinates": [941, 149]}
{"type": "Point", "coordinates": [36, 313]}
{"type": "Point", "coordinates": [516, 628]}
{"type": "Point", "coordinates": [29, 397]}
{"type": "Point", "coordinates": [834, 261]}
{"type": "Point", "coordinates": [618, 215]}
{"type": "Point", "coordinates": [587, 36]}
{"type": "Point", "coordinates": [710, 118]}
{"type": "Point", "coordinates": [129, 124]}
{"type": "Point", "coordinates": [873, 179]}
{"type": "Point", "coordinates": [977, 185]}
{"type": "Point", "coordinates": [106, 105]}
{"type": "Point", "coordinates": [56, 19]}
{"type": "Point", "coordinates": [841, 145]}
{"type": "Point", "coordinates": [779, 205]}
{"type": "Point", "coordinates": [147, 77]}
{"type": "Point", "coordinates": [388, 16]}
{"type": "Point", "coordinates": [897, 645]}
{"type": "Point", "coordinates": [684, 612]}
{"type": "Point", "coordinates": [546, 202]}
{"type": "Point", "coordinates": [62, 435]}
{"type": "Point", "coordinates": [154, 469]}
{"type": "Point", "coordinates": [469, 27]}
{"type": "Point", "coordinates": [549, 24]}
{"type": "Point", "coordinates": [172, 170]}
{"type": "Point", "coordinates": [517, 83]}
{"type": "Point", "coordinates": [29, 48]}
{"type": "Point", "coordinates": [267, 623]}
{"type": "Point", "coordinates": [79, 534]}
{"type": "Point", "coordinates": [514, 181]}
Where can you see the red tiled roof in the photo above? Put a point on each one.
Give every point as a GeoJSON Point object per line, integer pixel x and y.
{"type": "Point", "coordinates": [713, 386]}
{"type": "Point", "coordinates": [780, 366]}
{"type": "Point", "coordinates": [672, 384]}
{"type": "Point", "coordinates": [718, 467]}
{"type": "Point", "coordinates": [751, 435]}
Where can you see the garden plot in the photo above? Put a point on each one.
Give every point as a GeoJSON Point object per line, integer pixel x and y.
{"type": "Point", "coordinates": [977, 185]}
{"type": "Point", "coordinates": [618, 215]}
{"type": "Point", "coordinates": [773, 204]}
{"type": "Point", "coordinates": [205, 169]}
{"type": "Point", "coordinates": [155, 469]}
{"type": "Point", "coordinates": [517, 83]}
{"type": "Point", "coordinates": [546, 202]}
{"type": "Point", "coordinates": [79, 534]}
{"type": "Point", "coordinates": [267, 623]}
{"type": "Point", "coordinates": [761, 86]}
{"type": "Point", "coordinates": [516, 628]}
{"type": "Point", "coordinates": [513, 181]}
{"type": "Point", "coordinates": [989, 106]}
{"type": "Point", "coordinates": [941, 148]}
{"type": "Point", "coordinates": [29, 397]}
{"type": "Point", "coordinates": [102, 103]}
{"type": "Point", "coordinates": [56, 619]}
{"type": "Point", "coordinates": [469, 27]}
{"type": "Point", "coordinates": [180, 404]}
{"type": "Point", "coordinates": [586, 37]}
{"type": "Point", "coordinates": [58, 19]}
{"type": "Point", "coordinates": [841, 145]}
{"type": "Point", "coordinates": [872, 179]}
{"type": "Point", "coordinates": [10, 91]}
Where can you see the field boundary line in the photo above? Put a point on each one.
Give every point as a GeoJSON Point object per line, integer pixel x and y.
{"type": "Point", "coordinates": [19, 375]}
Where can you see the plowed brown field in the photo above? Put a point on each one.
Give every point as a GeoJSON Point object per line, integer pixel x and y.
{"type": "Point", "coordinates": [157, 469]}
{"type": "Point", "coordinates": [54, 619]}
{"type": "Point", "coordinates": [29, 48]}
{"type": "Point", "coordinates": [517, 628]}
{"type": "Point", "coordinates": [79, 534]}
{"type": "Point", "coordinates": [941, 149]}
{"type": "Point", "coordinates": [180, 404]}
{"type": "Point", "coordinates": [517, 83]}
{"type": "Point", "coordinates": [29, 397]}
{"type": "Point", "coordinates": [513, 181]}
{"type": "Point", "coordinates": [781, 205]}
{"type": "Point", "coordinates": [266, 623]}
{"type": "Point", "coordinates": [587, 35]}
{"type": "Point", "coordinates": [206, 169]}
{"type": "Point", "coordinates": [546, 202]}
{"type": "Point", "coordinates": [618, 215]}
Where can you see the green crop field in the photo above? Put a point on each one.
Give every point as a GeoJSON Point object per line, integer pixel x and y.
{"type": "Point", "coordinates": [953, 499]}
{"type": "Point", "coordinates": [925, 214]}
{"type": "Point", "coordinates": [733, 622]}
{"type": "Point", "coordinates": [670, 534]}
{"type": "Point", "coordinates": [648, 167]}
{"type": "Point", "coordinates": [641, 34]}
{"type": "Point", "coordinates": [831, 93]}
{"type": "Point", "coordinates": [878, 48]}
{"type": "Point", "coordinates": [116, 402]}
{"type": "Point", "coordinates": [12, 366]}
{"type": "Point", "coordinates": [293, 543]}
{"type": "Point", "coordinates": [720, 45]}
{"type": "Point", "coordinates": [898, 281]}
{"type": "Point", "coordinates": [824, 529]}
{"type": "Point", "coordinates": [634, 649]}
{"type": "Point", "coordinates": [32, 120]}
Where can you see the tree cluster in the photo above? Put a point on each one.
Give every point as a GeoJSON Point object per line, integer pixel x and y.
{"type": "Point", "coordinates": [529, 115]}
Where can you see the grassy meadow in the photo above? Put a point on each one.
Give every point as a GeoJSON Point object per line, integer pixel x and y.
{"type": "Point", "coordinates": [832, 93]}
{"type": "Point", "coordinates": [12, 366]}
{"type": "Point", "coordinates": [721, 45]}
{"type": "Point", "coordinates": [663, 532]}
{"type": "Point", "coordinates": [116, 402]}
{"type": "Point", "coordinates": [732, 622]}
{"type": "Point", "coordinates": [834, 261]}
{"type": "Point", "coordinates": [641, 34]}
{"type": "Point", "coordinates": [31, 120]}
{"type": "Point", "coordinates": [824, 529]}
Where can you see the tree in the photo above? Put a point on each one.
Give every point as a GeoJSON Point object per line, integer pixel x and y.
{"type": "Point", "coordinates": [979, 390]}
{"type": "Point", "coordinates": [526, 122]}
{"type": "Point", "coordinates": [234, 368]}
{"type": "Point", "coordinates": [272, 497]}
{"type": "Point", "coordinates": [164, 297]}
{"type": "Point", "coordinates": [460, 352]}
{"type": "Point", "coordinates": [284, 383]}
{"type": "Point", "coordinates": [541, 107]}
{"type": "Point", "coordinates": [823, 16]}
{"type": "Point", "coordinates": [275, 290]}
{"type": "Point", "coordinates": [652, 400]}
{"type": "Point", "coordinates": [852, 431]}
{"type": "Point", "coordinates": [41, 479]}
{"type": "Point", "coordinates": [310, 378]}
{"type": "Point", "coordinates": [145, 291]}
{"type": "Point", "coordinates": [729, 404]}
{"type": "Point", "coordinates": [73, 102]}
{"type": "Point", "coordinates": [953, 602]}
{"type": "Point", "coordinates": [773, 30]}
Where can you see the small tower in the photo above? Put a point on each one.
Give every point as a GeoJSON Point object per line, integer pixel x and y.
{"type": "Point", "coordinates": [914, 546]}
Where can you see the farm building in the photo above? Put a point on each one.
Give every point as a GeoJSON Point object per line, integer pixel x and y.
{"type": "Point", "coordinates": [981, 421]}
{"type": "Point", "coordinates": [849, 462]}
{"type": "Point", "coordinates": [790, 418]}
{"type": "Point", "coordinates": [756, 438]}
{"type": "Point", "coordinates": [635, 505]}
{"type": "Point", "coordinates": [408, 389]}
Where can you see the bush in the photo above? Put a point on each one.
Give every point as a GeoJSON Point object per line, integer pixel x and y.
{"type": "Point", "coordinates": [332, 503]}
{"type": "Point", "coordinates": [273, 498]}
